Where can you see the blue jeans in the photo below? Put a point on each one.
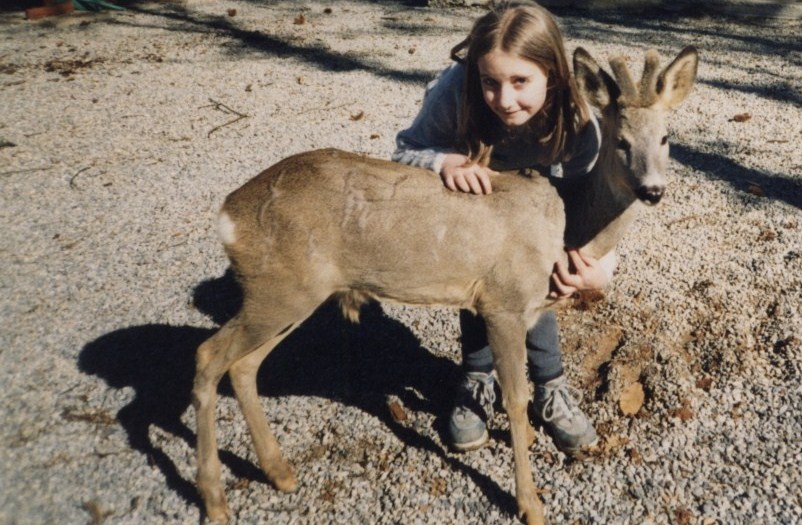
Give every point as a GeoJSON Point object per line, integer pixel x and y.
{"type": "Point", "coordinates": [542, 347]}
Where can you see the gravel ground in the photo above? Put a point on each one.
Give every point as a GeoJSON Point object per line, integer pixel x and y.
{"type": "Point", "coordinates": [121, 133]}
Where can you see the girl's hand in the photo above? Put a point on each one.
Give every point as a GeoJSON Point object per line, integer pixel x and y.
{"type": "Point", "coordinates": [587, 274]}
{"type": "Point", "coordinates": [460, 174]}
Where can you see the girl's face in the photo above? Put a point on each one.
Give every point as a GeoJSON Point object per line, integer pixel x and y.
{"type": "Point", "coordinates": [513, 87]}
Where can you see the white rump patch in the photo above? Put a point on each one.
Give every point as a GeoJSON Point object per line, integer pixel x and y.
{"type": "Point", "coordinates": [226, 229]}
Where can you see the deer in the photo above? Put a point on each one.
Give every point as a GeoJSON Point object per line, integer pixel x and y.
{"type": "Point", "coordinates": [332, 225]}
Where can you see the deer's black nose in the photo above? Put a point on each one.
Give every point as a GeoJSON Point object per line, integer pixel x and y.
{"type": "Point", "coordinates": [650, 194]}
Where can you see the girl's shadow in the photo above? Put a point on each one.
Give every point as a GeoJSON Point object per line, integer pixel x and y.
{"type": "Point", "coordinates": [327, 356]}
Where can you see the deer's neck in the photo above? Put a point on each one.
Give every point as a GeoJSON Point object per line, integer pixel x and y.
{"type": "Point", "coordinates": [598, 208]}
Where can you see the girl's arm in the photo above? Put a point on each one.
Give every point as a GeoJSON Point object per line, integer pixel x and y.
{"type": "Point", "coordinates": [586, 273]}
{"type": "Point", "coordinates": [433, 133]}
{"type": "Point", "coordinates": [430, 141]}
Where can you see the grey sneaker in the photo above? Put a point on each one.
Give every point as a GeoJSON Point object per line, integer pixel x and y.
{"type": "Point", "coordinates": [467, 425]}
{"type": "Point", "coordinates": [558, 411]}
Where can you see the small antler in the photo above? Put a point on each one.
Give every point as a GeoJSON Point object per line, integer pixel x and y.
{"type": "Point", "coordinates": [648, 82]}
{"type": "Point", "coordinates": [645, 93]}
{"type": "Point", "coordinates": [629, 95]}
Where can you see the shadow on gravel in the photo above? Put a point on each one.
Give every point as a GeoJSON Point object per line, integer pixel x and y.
{"type": "Point", "coordinates": [716, 166]}
{"type": "Point", "coordinates": [158, 362]}
{"type": "Point", "coordinates": [315, 54]}
{"type": "Point", "coordinates": [671, 29]}
{"type": "Point", "coordinates": [327, 356]}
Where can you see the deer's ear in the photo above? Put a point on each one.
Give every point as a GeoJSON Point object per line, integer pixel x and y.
{"type": "Point", "coordinates": [595, 85]}
{"type": "Point", "coordinates": [676, 80]}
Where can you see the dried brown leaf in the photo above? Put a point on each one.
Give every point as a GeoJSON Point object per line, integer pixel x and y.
{"type": "Point", "coordinates": [767, 235]}
{"type": "Point", "coordinates": [611, 443]}
{"type": "Point", "coordinates": [232, 12]}
{"type": "Point", "coordinates": [397, 411]}
{"type": "Point", "coordinates": [704, 383]}
{"type": "Point", "coordinates": [755, 189]}
{"type": "Point", "coordinates": [683, 516]}
{"type": "Point", "coordinates": [374, 136]}
{"type": "Point", "coordinates": [742, 117]}
{"type": "Point", "coordinates": [684, 412]}
{"type": "Point", "coordinates": [631, 399]}
{"type": "Point", "coordinates": [96, 511]}
{"type": "Point", "coordinates": [358, 116]}
{"type": "Point", "coordinates": [438, 487]}
{"type": "Point", "coordinates": [299, 20]}
{"type": "Point", "coordinates": [328, 10]}
{"type": "Point", "coordinates": [585, 300]}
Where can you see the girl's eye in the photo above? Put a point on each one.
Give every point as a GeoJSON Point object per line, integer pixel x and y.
{"type": "Point", "coordinates": [489, 82]}
{"type": "Point", "coordinates": [664, 140]}
{"type": "Point", "coordinates": [520, 80]}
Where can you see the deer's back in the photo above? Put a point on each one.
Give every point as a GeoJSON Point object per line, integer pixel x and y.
{"type": "Point", "coordinates": [390, 229]}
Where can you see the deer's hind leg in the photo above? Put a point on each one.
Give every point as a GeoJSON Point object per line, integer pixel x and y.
{"type": "Point", "coordinates": [247, 343]}
{"type": "Point", "coordinates": [243, 378]}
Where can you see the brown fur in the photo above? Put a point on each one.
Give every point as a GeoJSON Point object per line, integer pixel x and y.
{"type": "Point", "coordinates": [329, 223]}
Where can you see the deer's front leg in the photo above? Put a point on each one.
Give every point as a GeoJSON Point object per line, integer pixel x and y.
{"type": "Point", "coordinates": [507, 333]}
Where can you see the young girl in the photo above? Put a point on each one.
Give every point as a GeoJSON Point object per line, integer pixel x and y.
{"type": "Point", "coordinates": [510, 89]}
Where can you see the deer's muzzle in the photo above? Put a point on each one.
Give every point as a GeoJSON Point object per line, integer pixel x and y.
{"type": "Point", "coordinates": [650, 194]}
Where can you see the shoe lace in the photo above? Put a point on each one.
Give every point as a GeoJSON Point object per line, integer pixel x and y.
{"type": "Point", "coordinates": [483, 391]}
{"type": "Point", "coordinates": [561, 402]}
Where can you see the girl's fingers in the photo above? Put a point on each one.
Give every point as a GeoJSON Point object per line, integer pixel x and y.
{"type": "Point", "coordinates": [448, 180]}
{"type": "Point", "coordinates": [483, 175]}
{"type": "Point", "coordinates": [462, 184]}
{"type": "Point", "coordinates": [562, 289]}
{"type": "Point", "coordinates": [579, 262]}
{"type": "Point", "coordinates": [473, 182]}
{"type": "Point", "coordinates": [565, 278]}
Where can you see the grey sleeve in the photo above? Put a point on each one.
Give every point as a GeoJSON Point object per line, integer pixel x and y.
{"type": "Point", "coordinates": [433, 133]}
{"type": "Point", "coordinates": [586, 150]}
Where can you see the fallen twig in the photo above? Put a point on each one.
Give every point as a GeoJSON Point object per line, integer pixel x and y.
{"type": "Point", "coordinates": [72, 179]}
{"type": "Point", "coordinates": [28, 170]}
{"type": "Point", "coordinates": [219, 106]}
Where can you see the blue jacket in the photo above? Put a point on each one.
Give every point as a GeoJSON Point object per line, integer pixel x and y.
{"type": "Point", "coordinates": [433, 133]}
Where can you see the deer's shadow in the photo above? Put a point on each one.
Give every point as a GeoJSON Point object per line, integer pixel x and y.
{"type": "Point", "coordinates": [327, 356]}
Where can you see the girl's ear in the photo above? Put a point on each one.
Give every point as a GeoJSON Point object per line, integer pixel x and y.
{"type": "Point", "coordinates": [595, 85]}
{"type": "Point", "coordinates": [676, 80]}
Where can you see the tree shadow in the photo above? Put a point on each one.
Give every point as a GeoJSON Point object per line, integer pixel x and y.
{"type": "Point", "coordinates": [314, 54]}
{"type": "Point", "coordinates": [327, 356]}
{"type": "Point", "coordinates": [739, 34]}
{"type": "Point", "coordinates": [781, 91]}
{"type": "Point", "coordinates": [716, 166]}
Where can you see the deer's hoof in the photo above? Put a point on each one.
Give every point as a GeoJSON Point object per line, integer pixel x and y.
{"type": "Point", "coordinates": [284, 478]}
{"type": "Point", "coordinates": [218, 513]}
{"type": "Point", "coordinates": [532, 512]}
{"type": "Point", "coordinates": [535, 519]}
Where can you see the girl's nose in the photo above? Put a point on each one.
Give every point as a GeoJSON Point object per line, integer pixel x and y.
{"type": "Point", "coordinates": [506, 97]}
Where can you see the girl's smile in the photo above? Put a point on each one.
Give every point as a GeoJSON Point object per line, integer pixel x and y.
{"type": "Point", "coordinates": [514, 88]}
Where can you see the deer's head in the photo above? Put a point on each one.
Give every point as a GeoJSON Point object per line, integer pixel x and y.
{"type": "Point", "coordinates": [634, 134]}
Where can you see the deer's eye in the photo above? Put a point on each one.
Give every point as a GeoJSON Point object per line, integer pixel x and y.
{"type": "Point", "coordinates": [664, 140]}
{"type": "Point", "coordinates": [623, 145]}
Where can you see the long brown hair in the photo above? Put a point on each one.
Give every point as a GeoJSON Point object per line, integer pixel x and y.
{"type": "Point", "coordinates": [527, 30]}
